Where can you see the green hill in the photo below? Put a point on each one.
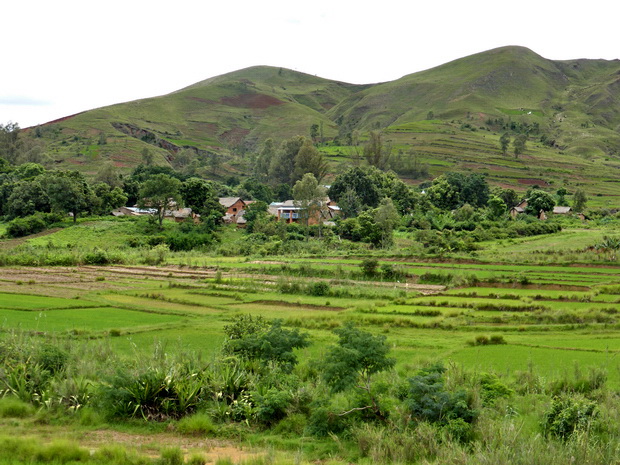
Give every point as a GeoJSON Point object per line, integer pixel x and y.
{"type": "Point", "coordinates": [450, 116]}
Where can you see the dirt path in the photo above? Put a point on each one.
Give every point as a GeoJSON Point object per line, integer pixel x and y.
{"type": "Point", "coordinates": [11, 243]}
{"type": "Point", "coordinates": [151, 445]}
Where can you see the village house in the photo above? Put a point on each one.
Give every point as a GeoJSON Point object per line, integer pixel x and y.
{"type": "Point", "coordinates": [291, 212]}
{"type": "Point", "coordinates": [520, 208]}
{"type": "Point", "coordinates": [177, 215]}
{"type": "Point", "coordinates": [234, 206]}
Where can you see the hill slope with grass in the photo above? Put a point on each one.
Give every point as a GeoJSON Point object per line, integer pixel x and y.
{"type": "Point", "coordinates": [566, 108]}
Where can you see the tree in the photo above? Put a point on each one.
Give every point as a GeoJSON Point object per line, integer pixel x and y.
{"type": "Point", "coordinates": [68, 192]}
{"type": "Point", "coordinates": [497, 207]}
{"type": "Point", "coordinates": [263, 161]}
{"type": "Point", "coordinates": [107, 198]}
{"type": "Point", "coordinates": [354, 360]}
{"type": "Point", "coordinates": [519, 144]}
{"type": "Point", "coordinates": [9, 141]}
{"type": "Point", "coordinates": [539, 200]}
{"type": "Point", "coordinates": [200, 196]}
{"type": "Point", "coordinates": [282, 166]}
{"type": "Point", "coordinates": [580, 199]}
{"type": "Point", "coordinates": [377, 151]}
{"type": "Point", "coordinates": [314, 132]}
{"type": "Point", "coordinates": [109, 175]}
{"type": "Point", "coordinates": [561, 194]}
{"type": "Point", "coordinates": [359, 181]}
{"type": "Point", "coordinates": [26, 198]}
{"type": "Point", "coordinates": [386, 219]}
{"type": "Point", "coordinates": [160, 192]}
{"type": "Point", "coordinates": [310, 160]}
{"type": "Point", "coordinates": [504, 142]}
{"type": "Point", "coordinates": [443, 195]}
{"type": "Point", "coordinates": [310, 197]}
{"type": "Point", "coordinates": [147, 157]}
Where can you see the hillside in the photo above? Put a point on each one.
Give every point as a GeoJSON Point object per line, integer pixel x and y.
{"type": "Point", "coordinates": [569, 109]}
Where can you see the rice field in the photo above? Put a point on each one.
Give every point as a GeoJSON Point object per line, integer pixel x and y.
{"type": "Point", "coordinates": [552, 318]}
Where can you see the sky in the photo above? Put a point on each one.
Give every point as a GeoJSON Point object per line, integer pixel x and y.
{"type": "Point", "coordinates": [62, 57]}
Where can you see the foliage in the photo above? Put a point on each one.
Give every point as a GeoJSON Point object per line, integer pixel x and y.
{"type": "Point", "coordinates": [353, 362]}
{"type": "Point", "coordinates": [256, 339]}
{"type": "Point", "coordinates": [160, 192]}
{"type": "Point", "coordinates": [580, 199]}
{"type": "Point", "coordinates": [429, 400]}
{"type": "Point", "coordinates": [200, 196]}
{"type": "Point", "coordinates": [539, 200]}
{"type": "Point", "coordinates": [310, 197]}
{"type": "Point", "coordinates": [569, 415]}
{"type": "Point", "coordinates": [33, 224]}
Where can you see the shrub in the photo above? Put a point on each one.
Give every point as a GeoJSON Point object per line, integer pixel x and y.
{"type": "Point", "coordinates": [429, 400]}
{"type": "Point", "coordinates": [568, 415]}
{"type": "Point", "coordinates": [319, 289]}
{"type": "Point", "coordinates": [196, 424]}
{"type": "Point", "coordinates": [11, 407]}
{"type": "Point", "coordinates": [271, 406]}
{"type": "Point", "coordinates": [369, 266]}
{"type": "Point", "coordinates": [171, 456]}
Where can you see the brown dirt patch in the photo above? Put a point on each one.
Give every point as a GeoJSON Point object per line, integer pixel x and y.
{"type": "Point", "coordinates": [151, 445]}
{"type": "Point", "coordinates": [235, 135]}
{"type": "Point", "coordinates": [257, 101]}
{"type": "Point", "coordinates": [532, 182]}
{"type": "Point", "coordinates": [279, 303]}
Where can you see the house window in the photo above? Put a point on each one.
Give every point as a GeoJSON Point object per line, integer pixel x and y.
{"type": "Point", "coordinates": [285, 215]}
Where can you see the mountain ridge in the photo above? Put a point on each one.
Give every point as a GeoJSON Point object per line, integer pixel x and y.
{"type": "Point", "coordinates": [573, 105]}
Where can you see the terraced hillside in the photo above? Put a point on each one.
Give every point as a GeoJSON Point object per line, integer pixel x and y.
{"type": "Point", "coordinates": [450, 115]}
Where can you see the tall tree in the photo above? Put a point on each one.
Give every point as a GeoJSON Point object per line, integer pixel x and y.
{"type": "Point", "coordinates": [263, 160]}
{"type": "Point", "coordinates": [580, 199]}
{"type": "Point", "coordinates": [310, 160]}
{"type": "Point", "coordinates": [377, 151]}
{"type": "Point", "coordinates": [161, 192]}
{"type": "Point", "coordinates": [518, 144]}
{"type": "Point", "coordinates": [310, 197]}
{"type": "Point", "coordinates": [504, 142]}
{"type": "Point", "coordinates": [9, 141]}
{"type": "Point", "coordinates": [540, 200]}
{"type": "Point", "coordinates": [282, 165]}
{"type": "Point", "coordinates": [68, 192]}
{"type": "Point", "coordinates": [201, 197]}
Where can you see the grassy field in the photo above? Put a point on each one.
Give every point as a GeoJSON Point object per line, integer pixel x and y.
{"type": "Point", "coordinates": [533, 318]}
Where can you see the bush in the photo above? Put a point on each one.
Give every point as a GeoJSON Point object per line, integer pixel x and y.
{"type": "Point", "coordinates": [319, 289]}
{"type": "Point", "coordinates": [429, 400]}
{"type": "Point", "coordinates": [33, 224]}
{"type": "Point", "coordinates": [196, 424]}
{"type": "Point", "coordinates": [11, 407]}
{"type": "Point", "coordinates": [369, 266]}
{"type": "Point", "coordinates": [568, 415]}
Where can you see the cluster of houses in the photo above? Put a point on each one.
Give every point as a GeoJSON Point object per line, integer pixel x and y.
{"type": "Point", "coordinates": [542, 215]}
{"type": "Point", "coordinates": [235, 211]}
{"type": "Point", "coordinates": [286, 211]}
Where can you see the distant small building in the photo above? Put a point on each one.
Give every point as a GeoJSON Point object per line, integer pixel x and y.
{"type": "Point", "coordinates": [133, 211]}
{"type": "Point", "coordinates": [233, 205]}
{"type": "Point", "coordinates": [518, 209]}
{"type": "Point", "coordinates": [176, 215]}
{"type": "Point", "coordinates": [291, 213]}
{"type": "Point", "coordinates": [561, 210]}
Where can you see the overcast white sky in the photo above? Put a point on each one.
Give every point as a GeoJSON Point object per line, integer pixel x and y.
{"type": "Point", "coordinates": [65, 56]}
